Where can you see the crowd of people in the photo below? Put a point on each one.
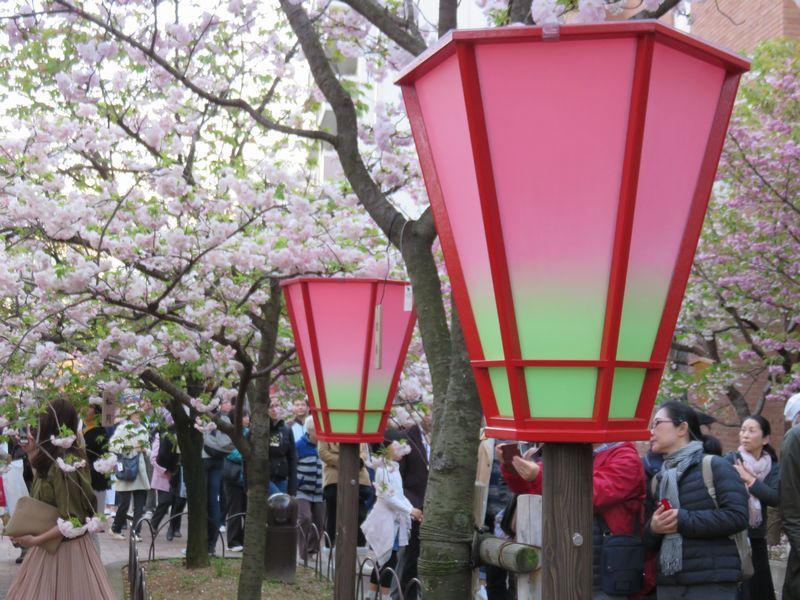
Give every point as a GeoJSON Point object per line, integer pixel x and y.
{"type": "Point", "coordinates": [682, 521]}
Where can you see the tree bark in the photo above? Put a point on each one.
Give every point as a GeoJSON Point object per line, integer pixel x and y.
{"type": "Point", "coordinates": [446, 532]}
{"type": "Point", "coordinates": [257, 459]}
{"type": "Point", "coordinates": [190, 442]}
{"type": "Point", "coordinates": [447, 529]}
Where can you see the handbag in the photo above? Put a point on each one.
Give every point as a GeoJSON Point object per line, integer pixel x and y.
{"type": "Point", "coordinates": [32, 517]}
{"type": "Point", "coordinates": [127, 467]}
{"type": "Point", "coordinates": [621, 562]}
{"type": "Point", "coordinates": [232, 472]}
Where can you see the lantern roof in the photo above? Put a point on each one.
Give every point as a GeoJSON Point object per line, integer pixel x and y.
{"type": "Point", "coordinates": [446, 45]}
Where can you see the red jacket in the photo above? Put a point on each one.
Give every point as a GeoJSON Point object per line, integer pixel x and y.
{"type": "Point", "coordinates": [619, 487]}
{"type": "Point", "coordinates": [618, 483]}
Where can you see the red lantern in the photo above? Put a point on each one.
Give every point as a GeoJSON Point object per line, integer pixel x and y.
{"type": "Point", "coordinates": [569, 173]}
{"type": "Point", "coordinates": [351, 336]}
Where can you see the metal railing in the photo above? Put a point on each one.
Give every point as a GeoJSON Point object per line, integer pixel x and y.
{"type": "Point", "coordinates": [137, 586]}
{"type": "Point", "coordinates": [322, 561]}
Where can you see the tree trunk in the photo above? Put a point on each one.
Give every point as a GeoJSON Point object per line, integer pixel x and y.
{"type": "Point", "coordinates": [447, 529]}
{"type": "Point", "coordinates": [446, 532]}
{"type": "Point", "coordinates": [257, 459]}
{"type": "Point", "coordinates": [252, 573]}
{"type": "Point", "coordinates": [190, 442]}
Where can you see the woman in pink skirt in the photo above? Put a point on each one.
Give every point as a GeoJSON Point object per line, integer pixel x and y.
{"type": "Point", "coordinates": [61, 479]}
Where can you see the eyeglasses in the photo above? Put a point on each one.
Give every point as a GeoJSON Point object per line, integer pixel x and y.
{"type": "Point", "coordinates": [657, 422]}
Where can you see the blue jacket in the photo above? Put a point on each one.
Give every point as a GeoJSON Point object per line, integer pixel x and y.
{"type": "Point", "coordinates": [309, 471]}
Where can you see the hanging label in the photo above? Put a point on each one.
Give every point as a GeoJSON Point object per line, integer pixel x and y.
{"type": "Point", "coordinates": [377, 335]}
{"type": "Point", "coordinates": [108, 410]}
{"type": "Point", "coordinates": [408, 299]}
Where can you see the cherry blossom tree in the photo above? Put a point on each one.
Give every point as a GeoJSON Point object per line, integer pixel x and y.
{"type": "Point", "coordinates": [741, 308]}
{"type": "Point", "coordinates": [225, 85]}
{"type": "Point", "coordinates": [145, 233]}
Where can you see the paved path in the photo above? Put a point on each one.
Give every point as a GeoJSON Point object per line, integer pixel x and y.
{"type": "Point", "coordinates": [111, 551]}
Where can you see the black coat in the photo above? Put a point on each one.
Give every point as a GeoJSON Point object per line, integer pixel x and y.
{"type": "Point", "coordinates": [414, 467]}
{"type": "Point", "coordinates": [96, 441]}
{"type": "Point", "coordinates": [283, 455]}
{"type": "Point", "coordinates": [709, 554]}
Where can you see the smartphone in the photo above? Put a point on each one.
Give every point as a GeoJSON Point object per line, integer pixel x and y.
{"type": "Point", "coordinates": [509, 452]}
{"type": "Point", "coordinates": [665, 504]}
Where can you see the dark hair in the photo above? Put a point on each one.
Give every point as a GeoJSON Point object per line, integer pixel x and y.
{"type": "Point", "coordinates": [58, 412]}
{"type": "Point", "coordinates": [712, 445]}
{"type": "Point", "coordinates": [766, 429]}
{"type": "Point", "coordinates": [389, 436]}
{"type": "Point", "coordinates": [683, 413]}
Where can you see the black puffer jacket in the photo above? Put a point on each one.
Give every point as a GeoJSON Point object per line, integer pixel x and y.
{"type": "Point", "coordinates": [709, 554]}
{"type": "Point", "coordinates": [283, 455]}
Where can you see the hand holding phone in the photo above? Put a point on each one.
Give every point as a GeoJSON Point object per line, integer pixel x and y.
{"type": "Point", "coordinates": [509, 452]}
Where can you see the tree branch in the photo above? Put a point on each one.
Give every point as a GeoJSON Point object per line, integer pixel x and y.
{"type": "Point", "coordinates": [404, 33]}
{"type": "Point", "coordinates": [239, 103]}
{"type": "Point", "coordinates": [663, 9]}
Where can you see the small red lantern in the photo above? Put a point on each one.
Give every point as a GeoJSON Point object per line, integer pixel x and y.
{"type": "Point", "coordinates": [569, 172]}
{"type": "Point", "coordinates": [351, 336]}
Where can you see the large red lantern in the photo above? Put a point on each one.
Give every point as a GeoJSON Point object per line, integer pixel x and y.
{"type": "Point", "coordinates": [569, 173]}
{"type": "Point", "coordinates": [351, 336]}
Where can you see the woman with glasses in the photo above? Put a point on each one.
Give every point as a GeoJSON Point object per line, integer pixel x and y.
{"type": "Point", "coordinates": [696, 557]}
{"type": "Point", "coordinates": [757, 464]}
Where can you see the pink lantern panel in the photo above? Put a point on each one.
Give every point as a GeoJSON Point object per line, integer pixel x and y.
{"type": "Point", "coordinates": [568, 177]}
{"type": "Point", "coordinates": [352, 336]}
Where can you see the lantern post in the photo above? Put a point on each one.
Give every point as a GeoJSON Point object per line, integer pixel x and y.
{"type": "Point", "coordinates": [352, 337]}
{"type": "Point", "coordinates": [568, 170]}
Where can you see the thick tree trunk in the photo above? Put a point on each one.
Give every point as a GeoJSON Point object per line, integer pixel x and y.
{"type": "Point", "coordinates": [447, 530]}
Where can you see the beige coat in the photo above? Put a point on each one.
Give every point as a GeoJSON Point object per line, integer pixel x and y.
{"type": "Point", "coordinates": [329, 453]}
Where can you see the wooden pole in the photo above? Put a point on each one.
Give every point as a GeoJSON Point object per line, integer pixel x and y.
{"type": "Point", "coordinates": [567, 522]}
{"type": "Point", "coordinates": [346, 523]}
{"type": "Point", "coordinates": [529, 531]}
{"type": "Point", "coordinates": [508, 555]}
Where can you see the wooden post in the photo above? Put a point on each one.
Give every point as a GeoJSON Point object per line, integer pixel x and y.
{"type": "Point", "coordinates": [344, 587]}
{"type": "Point", "coordinates": [529, 531]}
{"type": "Point", "coordinates": [567, 522]}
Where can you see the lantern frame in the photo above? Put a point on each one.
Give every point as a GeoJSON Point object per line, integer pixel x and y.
{"type": "Point", "coordinates": [599, 427]}
{"type": "Point", "coordinates": [319, 406]}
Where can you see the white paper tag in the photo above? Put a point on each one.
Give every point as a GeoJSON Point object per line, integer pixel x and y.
{"type": "Point", "coordinates": [408, 299]}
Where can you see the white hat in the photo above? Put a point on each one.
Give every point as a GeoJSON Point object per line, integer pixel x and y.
{"type": "Point", "coordinates": [792, 408]}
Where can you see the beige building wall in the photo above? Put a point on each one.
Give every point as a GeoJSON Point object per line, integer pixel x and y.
{"type": "Point", "coordinates": [741, 24]}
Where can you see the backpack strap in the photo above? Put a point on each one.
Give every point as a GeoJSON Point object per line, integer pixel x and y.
{"type": "Point", "coordinates": [708, 478]}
